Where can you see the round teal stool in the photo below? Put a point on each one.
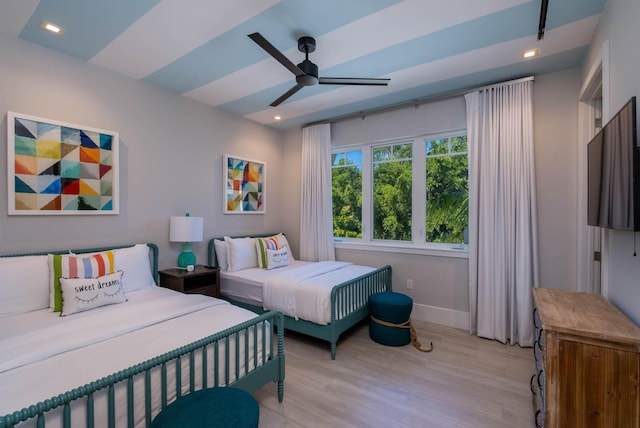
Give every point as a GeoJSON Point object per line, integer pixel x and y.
{"type": "Point", "coordinates": [211, 407]}
{"type": "Point", "coordinates": [390, 318]}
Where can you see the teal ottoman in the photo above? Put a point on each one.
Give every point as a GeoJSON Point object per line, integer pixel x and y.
{"type": "Point", "coordinates": [390, 318]}
{"type": "Point", "coordinates": [211, 407]}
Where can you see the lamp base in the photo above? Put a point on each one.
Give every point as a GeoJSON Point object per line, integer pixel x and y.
{"type": "Point", "coordinates": [187, 257]}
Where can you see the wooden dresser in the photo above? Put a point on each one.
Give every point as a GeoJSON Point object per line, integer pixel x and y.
{"type": "Point", "coordinates": [587, 362]}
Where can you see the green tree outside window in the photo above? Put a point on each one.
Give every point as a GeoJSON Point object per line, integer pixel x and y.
{"type": "Point", "coordinates": [446, 193]}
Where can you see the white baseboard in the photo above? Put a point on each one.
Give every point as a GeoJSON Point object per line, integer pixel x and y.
{"type": "Point", "coordinates": [443, 316]}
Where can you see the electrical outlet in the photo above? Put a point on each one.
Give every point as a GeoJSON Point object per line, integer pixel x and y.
{"type": "Point", "coordinates": [410, 284]}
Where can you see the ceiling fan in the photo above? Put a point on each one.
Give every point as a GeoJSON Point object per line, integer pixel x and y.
{"type": "Point", "coordinates": [307, 72]}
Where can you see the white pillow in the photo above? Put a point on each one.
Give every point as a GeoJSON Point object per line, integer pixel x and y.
{"type": "Point", "coordinates": [24, 284]}
{"type": "Point", "coordinates": [134, 261]}
{"type": "Point", "coordinates": [221, 253]}
{"type": "Point", "coordinates": [82, 294]}
{"type": "Point", "coordinates": [277, 258]}
{"type": "Point", "coordinates": [282, 242]}
{"type": "Point", "coordinates": [241, 253]}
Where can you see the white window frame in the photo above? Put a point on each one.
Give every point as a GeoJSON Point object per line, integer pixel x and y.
{"type": "Point", "coordinates": [418, 245]}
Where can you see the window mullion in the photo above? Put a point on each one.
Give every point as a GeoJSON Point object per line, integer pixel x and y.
{"type": "Point", "coordinates": [419, 192]}
{"type": "Point", "coordinates": [367, 194]}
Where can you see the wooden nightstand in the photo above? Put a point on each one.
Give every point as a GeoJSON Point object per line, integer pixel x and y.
{"type": "Point", "coordinates": [203, 280]}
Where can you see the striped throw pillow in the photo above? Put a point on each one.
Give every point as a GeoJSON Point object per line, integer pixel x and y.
{"type": "Point", "coordinates": [262, 244]}
{"type": "Point", "coordinates": [68, 266]}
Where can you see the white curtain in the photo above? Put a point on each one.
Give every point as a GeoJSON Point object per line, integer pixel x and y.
{"type": "Point", "coordinates": [316, 222]}
{"type": "Point", "coordinates": [503, 249]}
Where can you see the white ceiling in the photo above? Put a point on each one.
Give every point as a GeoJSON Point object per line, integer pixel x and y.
{"type": "Point", "coordinates": [200, 48]}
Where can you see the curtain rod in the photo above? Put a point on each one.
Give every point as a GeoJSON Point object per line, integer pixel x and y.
{"type": "Point", "coordinates": [418, 101]}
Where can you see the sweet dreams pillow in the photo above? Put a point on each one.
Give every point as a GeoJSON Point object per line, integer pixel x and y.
{"type": "Point", "coordinates": [82, 294]}
{"type": "Point", "coordinates": [274, 242]}
{"type": "Point", "coordinates": [277, 258]}
{"type": "Point", "coordinates": [70, 266]}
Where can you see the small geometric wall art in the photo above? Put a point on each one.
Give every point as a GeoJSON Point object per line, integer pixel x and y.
{"type": "Point", "coordinates": [60, 168]}
{"type": "Point", "coordinates": [244, 185]}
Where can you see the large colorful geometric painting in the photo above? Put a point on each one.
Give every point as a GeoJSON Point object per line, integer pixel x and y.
{"type": "Point", "coordinates": [60, 168]}
{"type": "Point", "coordinates": [244, 185]}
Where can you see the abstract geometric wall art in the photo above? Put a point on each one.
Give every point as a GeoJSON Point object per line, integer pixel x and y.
{"type": "Point", "coordinates": [60, 168]}
{"type": "Point", "coordinates": [244, 185]}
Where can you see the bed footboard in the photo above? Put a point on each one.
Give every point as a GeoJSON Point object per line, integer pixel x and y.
{"type": "Point", "coordinates": [246, 356]}
{"type": "Point", "coordinates": [350, 301]}
{"type": "Point", "coordinates": [353, 295]}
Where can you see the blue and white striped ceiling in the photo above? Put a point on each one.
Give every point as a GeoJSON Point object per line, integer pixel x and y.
{"type": "Point", "coordinates": [200, 48]}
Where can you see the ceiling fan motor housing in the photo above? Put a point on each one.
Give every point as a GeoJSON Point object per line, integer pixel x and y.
{"type": "Point", "coordinates": [310, 76]}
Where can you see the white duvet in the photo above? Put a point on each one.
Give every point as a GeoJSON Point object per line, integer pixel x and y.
{"type": "Point", "coordinates": [304, 291]}
{"type": "Point", "coordinates": [44, 354]}
{"type": "Point", "coordinates": [58, 337]}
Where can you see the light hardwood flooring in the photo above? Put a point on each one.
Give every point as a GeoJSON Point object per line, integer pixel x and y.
{"type": "Point", "coordinates": [465, 382]}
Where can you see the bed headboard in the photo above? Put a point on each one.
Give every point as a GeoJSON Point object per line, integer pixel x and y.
{"type": "Point", "coordinates": [212, 260]}
{"type": "Point", "coordinates": [152, 247]}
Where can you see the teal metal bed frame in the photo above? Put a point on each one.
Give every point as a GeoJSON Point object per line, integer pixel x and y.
{"type": "Point", "coordinates": [269, 368]}
{"type": "Point", "coordinates": [350, 298]}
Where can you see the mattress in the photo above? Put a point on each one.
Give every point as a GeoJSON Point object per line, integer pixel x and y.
{"type": "Point", "coordinates": [246, 285]}
{"type": "Point", "coordinates": [44, 354]}
{"type": "Point", "coordinates": [301, 290]}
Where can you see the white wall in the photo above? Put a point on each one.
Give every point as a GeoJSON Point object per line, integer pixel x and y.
{"type": "Point", "coordinates": [555, 108]}
{"type": "Point", "coordinates": [171, 152]}
{"type": "Point", "coordinates": [440, 290]}
{"type": "Point", "coordinates": [619, 28]}
{"type": "Point", "coordinates": [439, 116]}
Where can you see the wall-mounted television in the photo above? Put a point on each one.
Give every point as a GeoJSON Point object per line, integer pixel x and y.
{"type": "Point", "coordinates": [613, 172]}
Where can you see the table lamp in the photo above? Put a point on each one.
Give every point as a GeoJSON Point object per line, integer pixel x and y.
{"type": "Point", "coordinates": [186, 229]}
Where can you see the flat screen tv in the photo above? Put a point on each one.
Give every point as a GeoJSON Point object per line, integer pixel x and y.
{"type": "Point", "coordinates": [613, 172]}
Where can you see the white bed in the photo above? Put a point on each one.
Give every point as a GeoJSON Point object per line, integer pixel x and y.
{"type": "Point", "coordinates": [320, 299]}
{"type": "Point", "coordinates": [301, 290]}
{"type": "Point", "coordinates": [44, 354]}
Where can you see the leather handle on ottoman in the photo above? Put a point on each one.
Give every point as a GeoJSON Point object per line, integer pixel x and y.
{"type": "Point", "coordinates": [412, 332]}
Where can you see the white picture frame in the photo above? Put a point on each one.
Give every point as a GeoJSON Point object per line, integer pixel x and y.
{"type": "Point", "coordinates": [244, 185]}
{"type": "Point", "coordinates": [59, 168]}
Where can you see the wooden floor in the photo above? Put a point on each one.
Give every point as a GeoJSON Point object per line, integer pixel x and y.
{"type": "Point", "coordinates": [465, 382]}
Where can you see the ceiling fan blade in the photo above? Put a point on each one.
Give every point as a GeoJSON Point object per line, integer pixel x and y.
{"type": "Point", "coordinates": [352, 81]}
{"type": "Point", "coordinates": [286, 95]}
{"type": "Point", "coordinates": [274, 52]}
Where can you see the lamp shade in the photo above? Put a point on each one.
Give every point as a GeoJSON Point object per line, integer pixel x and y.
{"type": "Point", "coordinates": [186, 229]}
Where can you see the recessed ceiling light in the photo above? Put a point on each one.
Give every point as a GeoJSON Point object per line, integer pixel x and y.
{"type": "Point", "coordinates": [277, 117]}
{"type": "Point", "coordinates": [531, 53]}
{"type": "Point", "coordinates": [56, 29]}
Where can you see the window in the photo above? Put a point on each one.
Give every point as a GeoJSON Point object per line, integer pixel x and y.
{"type": "Point", "coordinates": [392, 187]}
{"type": "Point", "coordinates": [447, 189]}
{"type": "Point", "coordinates": [407, 191]}
{"type": "Point", "coordinates": [346, 183]}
